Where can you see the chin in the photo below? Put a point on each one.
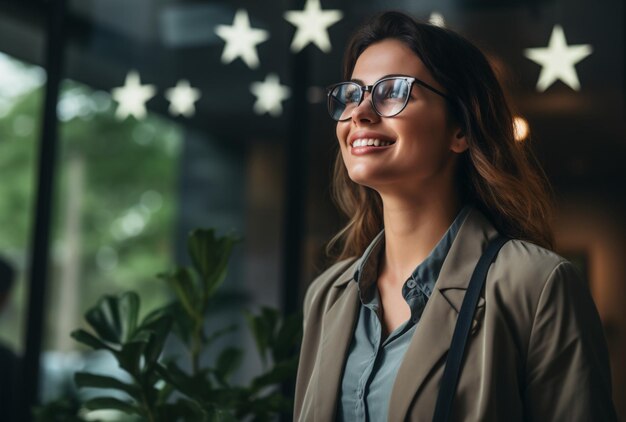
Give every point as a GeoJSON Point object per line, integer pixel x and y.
{"type": "Point", "coordinates": [365, 178]}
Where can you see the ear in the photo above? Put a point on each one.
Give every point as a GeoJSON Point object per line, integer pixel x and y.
{"type": "Point", "coordinates": [459, 143]}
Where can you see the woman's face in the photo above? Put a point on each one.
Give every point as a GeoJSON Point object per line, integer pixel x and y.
{"type": "Point", "coordinates": [424, 145]}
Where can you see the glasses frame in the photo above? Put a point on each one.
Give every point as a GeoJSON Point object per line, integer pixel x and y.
{"type": "Point", "coordinates": [370, 88]}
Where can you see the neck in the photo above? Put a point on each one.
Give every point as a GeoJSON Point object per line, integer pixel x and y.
{"type": "Point", "coordinates": [413, 226]}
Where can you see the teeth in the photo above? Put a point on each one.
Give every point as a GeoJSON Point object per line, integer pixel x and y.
{"type": "Point", "coordinates": [370, 142]}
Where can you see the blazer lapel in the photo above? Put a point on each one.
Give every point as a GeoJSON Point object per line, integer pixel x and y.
{"type": "Point", "coordinates": [433, 333]}
{"type": "Point", "coordinates": [337, 331]}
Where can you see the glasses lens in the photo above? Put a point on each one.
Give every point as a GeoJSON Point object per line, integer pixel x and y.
{"type": "Point", "coordinates": [390, 96]}
{"type": "Point", "coordinates": [343, 99]}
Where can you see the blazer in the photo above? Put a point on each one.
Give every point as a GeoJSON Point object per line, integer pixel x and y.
{"type": "Point", "coordinates": [536, 352]}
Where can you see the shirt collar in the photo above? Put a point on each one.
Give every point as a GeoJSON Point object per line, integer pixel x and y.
{"type": "Point", "coordinates": [423, 277]}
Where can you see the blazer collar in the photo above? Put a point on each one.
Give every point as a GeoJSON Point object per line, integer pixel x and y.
{"type": "Point", "coordinates": [433, 334]}
{"type": "Point", "coordinates": [347, 276]}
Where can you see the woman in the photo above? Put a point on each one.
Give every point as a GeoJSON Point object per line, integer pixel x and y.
{"type": "Point", "coordinates": [428, 172]}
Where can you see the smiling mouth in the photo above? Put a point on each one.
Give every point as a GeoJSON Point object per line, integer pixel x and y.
{"type": "Point", "coordinates": [371, 142]}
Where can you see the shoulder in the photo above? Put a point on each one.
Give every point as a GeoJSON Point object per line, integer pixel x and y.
{"type": "Point", "coordinates": [319, 290]}
{"type": "Point", "coordinates": [526, 253]}
{"type": "Point", "coordinates": [531, 265]}
{"type": "Point", "coordinates": [526, 279]}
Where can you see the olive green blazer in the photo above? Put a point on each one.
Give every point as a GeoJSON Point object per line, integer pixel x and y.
{"type": "Point", "coordinates": [536, 353]}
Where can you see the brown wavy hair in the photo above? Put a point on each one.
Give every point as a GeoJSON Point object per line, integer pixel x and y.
{"type": "Point", "coordinates": [499, 175]}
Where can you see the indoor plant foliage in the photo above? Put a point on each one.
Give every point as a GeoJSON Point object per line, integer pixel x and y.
{"type": "Point", "coordinates": [159, 388]}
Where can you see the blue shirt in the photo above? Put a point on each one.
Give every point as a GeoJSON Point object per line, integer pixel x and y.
{"type": "Point", "coordinates": [372, 363]}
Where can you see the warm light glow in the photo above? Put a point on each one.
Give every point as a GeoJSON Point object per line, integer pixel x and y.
{"type": "Point", "coordinates": [520, 128]}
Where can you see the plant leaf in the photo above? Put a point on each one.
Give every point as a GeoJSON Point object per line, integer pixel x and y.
{"type": "Point", "coordinates": [181, 282]}
{"type": "Point", "coordinates": [227, 362]}
{"type": "Point", "coordinates": [110, 403]}
{"type": "Point", "coordinates": [129, 357]}
{"type": "Point", "coordinates": [90, 340]}
{"type": "Point", "coordinates": [274, 402]}
{"type": "Point", "coordinates": [183, 324]}
{"type": "Point", "coordinates": [219, 333]}
{"type": "Point", "coordinates": [282, 371]}
{"type": "Point", "coordinates": [159, 329]}
{"type": "Point", "coordinates": [209, 255]}
{"type": "Point", "coordinates": [288, 338]}
{"type": "Point", "coordinates": [86, 379]}
{"type": "Point", "coordinates": [215, 280]}
{"type": "Point", "coordinates": [188, 410]}
{"type": "Point", "coordinates": [263, 327]}
{"type": "Point", "coordinates": [202, 246]}
{"type": "Point", "coordinates": [105, 319]}
{"type": "Point", "coordinates": [193, 387]}
{"type": "Point", "coordinates": [128, 305]}
{"type": "Point", "coordinates": [270, 318]}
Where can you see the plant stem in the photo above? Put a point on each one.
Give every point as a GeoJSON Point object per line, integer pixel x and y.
{"type": "Point", "coordinates": [144, 399]}
{"type": "Point", "coordinates": [196, 346]}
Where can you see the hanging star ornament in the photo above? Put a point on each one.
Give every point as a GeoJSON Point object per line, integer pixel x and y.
{"type": "Point", "coordinates": [270, 94]}
{"type": "Point", "coordinates": [132, 97]}
{"type": "Point", "coordinates": [312, 25]}
{"type": "Point", "coordinates": [437, 19]}
{"type": "Point", "coordinates": [241, 40]}
{"type": "Point", "coordinates": [557, 60]}
{"type": "Point", "coordinates": [182, 98]}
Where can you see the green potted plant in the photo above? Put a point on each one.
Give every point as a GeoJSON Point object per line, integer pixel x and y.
{"type": "Point", "coordinates": [157, 387]}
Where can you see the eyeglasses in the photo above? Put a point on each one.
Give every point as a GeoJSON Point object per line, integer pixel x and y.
{"type": "Point", "coordinates": [389, 96]}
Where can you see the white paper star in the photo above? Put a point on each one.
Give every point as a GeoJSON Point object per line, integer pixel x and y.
{"type": "Point", "coordinates": [558, 60]}
{"type": "Point", "coordinates": [182, 98]}
{"type": "Point", "coordinates": [270, 93]}
{"type": "Point", "coordinates": [241, 40]}
{"type": "Point", "coordinates": [436, 19]}
{"type": "Point", "coordinates": [312, 23]}
{"type": "Point", "coordinates": [132, 97]}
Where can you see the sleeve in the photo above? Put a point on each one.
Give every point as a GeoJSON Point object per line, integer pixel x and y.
{"type": "Point", "coordinates": [567, 368]}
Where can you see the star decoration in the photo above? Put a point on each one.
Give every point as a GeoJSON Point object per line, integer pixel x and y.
{"type": "Point", "coordinates": [312, 25]}
{"type": "Point", "coordinates": [241, 40]}
{"type": "Point", "coordinates": [557, 60]}
{"type": "Point", "coordinates": [436, 19]}
{"type": "Point", "coordinates": [132, 97]}
{"type": "Point", "coordinates": [182, 98]}
{"type": "Point", "coordinates": [270, 93]}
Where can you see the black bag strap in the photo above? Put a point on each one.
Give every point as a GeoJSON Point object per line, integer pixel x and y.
{"type": "Point", "coordinates": [454, 359]}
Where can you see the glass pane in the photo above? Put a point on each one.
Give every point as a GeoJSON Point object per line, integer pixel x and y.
{"type": "Point", "coordinates": [154, 142]}
{"type": "Point", "coordinates": [115, 210]}
{"type": "Point", "coordinates": [21, 92]}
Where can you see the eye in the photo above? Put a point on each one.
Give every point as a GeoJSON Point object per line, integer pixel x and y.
{"type": "Point", "coordinates": [392, 90]}
{"type": "Point", "coordinates": [394, 93]}
{"type": "Point", "coordinates": [350, 94]}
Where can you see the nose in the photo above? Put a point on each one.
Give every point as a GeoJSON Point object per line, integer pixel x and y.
{"type": "Point", "coordinates": [365, 113]}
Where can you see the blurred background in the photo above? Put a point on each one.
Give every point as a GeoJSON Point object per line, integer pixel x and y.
{"type": "Point", "coordinates": [173, 115]}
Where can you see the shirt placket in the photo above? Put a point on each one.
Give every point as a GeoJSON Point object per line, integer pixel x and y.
{"type": "Point", "coordinates": [376, 330]}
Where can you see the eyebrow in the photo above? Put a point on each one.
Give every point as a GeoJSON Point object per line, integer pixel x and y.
{"type": "Point", "coordinates": [382, 77]}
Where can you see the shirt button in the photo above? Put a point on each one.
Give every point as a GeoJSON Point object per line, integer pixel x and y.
{"type": "Point", "coordinates": [411, 283]}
